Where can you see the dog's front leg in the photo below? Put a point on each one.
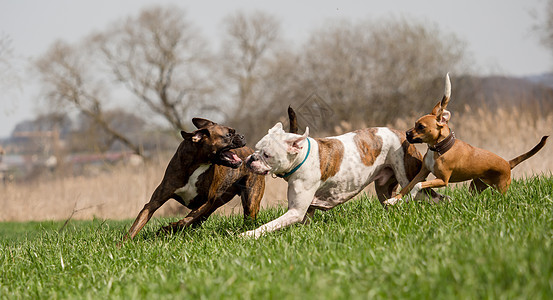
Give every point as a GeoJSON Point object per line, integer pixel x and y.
{"type": "Point", "coordinates": [159, 197]}
{"type": "Point", "coordinates": [412, 187]}
{"type": "Point", "coordinates": [298, 203]}
{"type": "Point", "coordinates": [435, 183]}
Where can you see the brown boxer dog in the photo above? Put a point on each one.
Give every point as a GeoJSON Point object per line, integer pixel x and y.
{"type": "Point", "coordinates": [205, 173]}
{"type": "Point", "coordinates": [452, 160]}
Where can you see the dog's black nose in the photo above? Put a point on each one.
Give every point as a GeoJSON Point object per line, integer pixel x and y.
{"type": "Point", "coordinates": [239, 140]}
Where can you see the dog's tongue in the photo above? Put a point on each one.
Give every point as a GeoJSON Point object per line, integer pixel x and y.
{"type": "Point", "coordinates": [231, 155]}
{"type": "Point", "coordinates": [235, 157]}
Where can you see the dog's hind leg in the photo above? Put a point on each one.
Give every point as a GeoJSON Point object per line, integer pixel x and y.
{"type": "Point", "coordinates": [498, 180]}
{"type": "Point", "coordinates": [385, 183]}
{"type": "Point", "coordinates": [477, 185]}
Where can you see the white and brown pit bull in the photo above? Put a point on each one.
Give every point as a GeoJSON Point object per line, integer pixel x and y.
{"type": "Point", "coordinates": [325, 172]}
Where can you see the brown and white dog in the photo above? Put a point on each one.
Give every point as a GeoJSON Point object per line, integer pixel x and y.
{"type": "Point", "coordinates": [205, 173]}
{"type": "Point", "coordinates": [325, 172]}
{"type": "Point", "coordinates": [452, 160]}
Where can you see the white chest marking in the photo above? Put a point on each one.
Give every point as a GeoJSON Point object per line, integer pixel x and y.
{"type": "Point", "coordinates": [429, 160]}
{"type": "Point", "coordinates": [189, 191]}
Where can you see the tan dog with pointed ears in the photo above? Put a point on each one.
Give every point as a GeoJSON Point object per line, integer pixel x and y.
{"type": "Point", "coordinates": [452, 160]}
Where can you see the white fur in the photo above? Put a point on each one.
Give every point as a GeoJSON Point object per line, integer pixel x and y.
{"type": "Point", "coordinates": [189, 191]}
{"type": "Point", "coordinates": [415, 190]}
{"type": "Point", "coordinates": [429, 161]}
{"type": "Point", "coordinates": [305, 187]}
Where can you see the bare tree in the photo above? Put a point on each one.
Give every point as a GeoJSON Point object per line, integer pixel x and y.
{"type": "Point", "coordinates": [374, 72]}
{"type": "Point", "coordinates": [157, 56]}
{"type": "Point", "coordinates": [89, 135]}
{"type": "Point", "coordinates": [247, 50]}
{"type": "Point", "coordinates": [10, 71]}
{"type": "Point", "coordinates": [545, 27]}
{"type": "Point", "coordinates": [162, 60]}
{"type": "Point", "coordinates": [70, 80]}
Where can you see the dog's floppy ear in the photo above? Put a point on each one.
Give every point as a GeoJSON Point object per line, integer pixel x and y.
{"type": "Point", "coordinates": [201, 123]}
{"type": "Point", "coordinates": [294, 143]}
{"type": "Point", "coordinates": [195, 136]}
{"type": "Point", "coordinates": [186, 135]}
{"type": "Point", "coordinates": [276, 128]}
{"type": "Point", "coordinates": [441, 106]}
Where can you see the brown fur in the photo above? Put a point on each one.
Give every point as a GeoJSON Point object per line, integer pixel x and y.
{"type": "Point", "coordinates": [462, 162]}
{"type": "Point", "coordinates": [369, 145]}
{"type": "Point", "coordinates": [215, 187]}
{"type": "Point", "coordinates": [412, 157]}
{"type": "Point", "coordinates": [331, 153]}
{"type": "Point", "coordinates": [222, 184]}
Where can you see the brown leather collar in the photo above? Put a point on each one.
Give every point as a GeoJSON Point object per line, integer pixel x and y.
{"type": "Point", "coordinates": [443, 146]}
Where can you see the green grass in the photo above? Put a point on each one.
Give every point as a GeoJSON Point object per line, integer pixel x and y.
{"type": "Point", "coordinates": [483, 246]}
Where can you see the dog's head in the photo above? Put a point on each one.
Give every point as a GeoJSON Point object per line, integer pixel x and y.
{"type": "Point", "coordinates": [276, 151]}
{"type": "Point", "coordinates": [214, 142]}
{"type": "Point", "coordinates": [429, 128]}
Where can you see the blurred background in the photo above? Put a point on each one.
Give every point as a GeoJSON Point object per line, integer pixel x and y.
{"type": "Point", "coordinates": [95, 93]}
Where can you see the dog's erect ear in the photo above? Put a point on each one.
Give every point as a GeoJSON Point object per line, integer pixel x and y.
{"type": "Point", "coordinates": [444, 118]}
{"type": "Point", "coordinates": [195, 136]}
{"type": "Point", "coordinates": [201, 123]}
{"type": "Point", "coordinates": [306, 133]}
{"type": "Point", "coordinates": [277, 128]}
{"type": "Point", "coordinates": [293, 120]}
{"type": "Point", "coordinates": [294, 144]}
{"type": "Point", "coordinates": [436, 108]}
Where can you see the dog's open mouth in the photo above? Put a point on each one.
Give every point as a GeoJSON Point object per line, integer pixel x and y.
{"type": "Point", "coordinates": [256, 159]}
{"type": "Point", "coordinates": [229, 159]}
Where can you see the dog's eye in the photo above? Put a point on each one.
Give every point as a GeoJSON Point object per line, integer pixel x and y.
{"type": "Point", "coordinates": [420, 127]}
{"type": "Point", "coordinates": [266, 155]}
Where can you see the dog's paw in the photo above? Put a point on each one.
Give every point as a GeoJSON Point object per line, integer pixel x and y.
{"type": "Point", "coordinates": [249, 234]}
{"type": "Point", "coordinates": [390, 202]}
{"type": "Point", "coordinates": [169, 229]}
{"type": "Point", "coordinates": [442, 198]}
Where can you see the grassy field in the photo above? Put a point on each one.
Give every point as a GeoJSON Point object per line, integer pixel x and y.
{"type": "Point", "coordinates": [484, 246]}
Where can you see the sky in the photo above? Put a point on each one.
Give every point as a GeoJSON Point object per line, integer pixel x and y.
{"type": "Point", "coordinates": [499, 34]}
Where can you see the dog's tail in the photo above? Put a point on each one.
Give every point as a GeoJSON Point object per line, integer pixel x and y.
{"type": "Point", "coordinates": [517, 160]}
{"type": "Point", "coordinates": [442, 105]}
{"type": "Point", "coordinates": [447, 92]}
{"type": "Point", "coordinates": [293, 120]}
